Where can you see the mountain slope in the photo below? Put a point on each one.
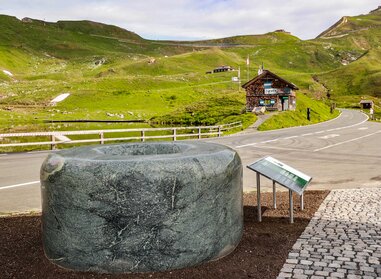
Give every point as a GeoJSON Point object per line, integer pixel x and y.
{"type": "Point", "coordinates": [112, 73]}
{"type": "Point", "coordinates": [349, 25]}
{"type": "Point", "coordinates": [99, 29]}
{"type": "Point", "coordinates": [361, 76]}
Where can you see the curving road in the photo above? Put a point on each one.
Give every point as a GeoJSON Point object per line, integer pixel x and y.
{"type": "Point", "coordinates": [341, 153]}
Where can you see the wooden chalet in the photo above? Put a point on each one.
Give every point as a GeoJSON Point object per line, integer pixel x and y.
{"type": "Point", "coordinates": [270, 91]}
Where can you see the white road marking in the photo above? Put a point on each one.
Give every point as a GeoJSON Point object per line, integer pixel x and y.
{"type": "Point", "coordinates": [266, 141]}
{"type": "Point", "coordinates": [330, 136]}
{"type": "Point", "coordinates": [293, 137]}
{"type": "Point", "coordinates": [350, 126]}
{"type": "Point", "coordinates": [320, 132]}
{"type": "Point", "coordinates": [3, 154]}
{"type": "Point", "coordinates": [280, 148]}
{"type": "Point", "coordinates": [246, 145]}
{"type": "Point", "coordinates": [343, 142]}
{"type": "Point", "coordinates": [19, 185]}
{"type": "Point", "coordinates": [331, 130]}
{"type": "Point", "coordinates": [255, 143]}
{"type": "Point", "coordinates": [363, 128]}
{"type": "Point", "coordinates": [308, 134]}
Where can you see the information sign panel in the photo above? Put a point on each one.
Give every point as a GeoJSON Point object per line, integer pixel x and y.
{"type": "Point", "coordinates": [282, 174]}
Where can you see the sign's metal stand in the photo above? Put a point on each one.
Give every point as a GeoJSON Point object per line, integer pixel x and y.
{"type": "Point", "coordinates": [259, 197]}
{"type": "Point", "coordinates": [283, 174]}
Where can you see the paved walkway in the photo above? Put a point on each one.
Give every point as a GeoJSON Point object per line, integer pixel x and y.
{"type": "Point", "coordinates": [343, 240]}
{"type": "Point", "coordinates": [260, 119]}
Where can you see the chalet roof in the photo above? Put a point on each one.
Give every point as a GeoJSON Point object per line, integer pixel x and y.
{"type": "Point", "coordinates": [268, 73]}
{"type": "Point", "coordinates": [366, 102]}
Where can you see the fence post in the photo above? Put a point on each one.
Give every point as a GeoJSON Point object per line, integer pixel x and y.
{"type": "Point", "coordinates": [199, 132]}
{"type": "Point", "coordinates": [101, 136]}
{"type": "Point", "coordinates": [142, 135]}
{"type": "Point", "coordinates": [174, 134]}
{"type": "Point", "coordinates": [219, 131]}
{"type": "Point", "coordinates": [53, 140]}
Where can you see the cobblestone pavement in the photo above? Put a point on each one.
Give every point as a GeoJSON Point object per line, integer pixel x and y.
{"type": "Point", "coordinates": [343, 240]}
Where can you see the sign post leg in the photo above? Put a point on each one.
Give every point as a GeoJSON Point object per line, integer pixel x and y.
{"type": "Point", "coordinates": [274, 194]}
{"type": "Point", "coordinates": [259, 198]}
{"type": "Point", "coordinates": [291, 207]}
{"type": "Point", "coordinates": [302, 202]}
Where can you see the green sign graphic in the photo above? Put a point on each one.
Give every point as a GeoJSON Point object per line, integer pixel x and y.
{"type": "Point", "coordinates": [282, 174]}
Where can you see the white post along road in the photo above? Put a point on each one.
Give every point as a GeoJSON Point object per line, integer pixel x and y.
{"type": "Point", "coordinates": [341, 153]}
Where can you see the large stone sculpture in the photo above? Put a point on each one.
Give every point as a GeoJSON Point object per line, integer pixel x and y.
{"type": "Point", "coordinates": [141, 207]}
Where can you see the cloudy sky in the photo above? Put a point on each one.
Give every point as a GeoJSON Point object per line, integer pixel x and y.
{"type": "Point", "coordinates": [196, 19]}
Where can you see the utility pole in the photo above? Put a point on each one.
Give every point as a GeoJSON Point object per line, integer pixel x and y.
{"type": "Point", "coordinates": [247, 66]}
{"type": "Point", "coordinates": [239, 79]}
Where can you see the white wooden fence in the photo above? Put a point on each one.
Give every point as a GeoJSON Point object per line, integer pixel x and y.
{"type": "Point", "coordinates": [143, 134]}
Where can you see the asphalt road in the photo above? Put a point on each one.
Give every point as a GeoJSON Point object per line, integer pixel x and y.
{"type": "Point", "coordinates": [341, 153]}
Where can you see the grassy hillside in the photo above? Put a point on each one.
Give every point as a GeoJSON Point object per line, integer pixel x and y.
{"type": "Point", "coordinates": [114, 74]}
{"type": "Point", "coordinates": [360, 75]}
{"type": "Point", "coordinates": [319, 113]}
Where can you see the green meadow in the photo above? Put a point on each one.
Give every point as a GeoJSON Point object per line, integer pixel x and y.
{"type": "Point", "coordinates": [114, 74]}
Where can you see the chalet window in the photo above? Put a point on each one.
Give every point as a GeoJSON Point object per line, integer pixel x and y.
{"type": "Point", "coordinates": [267, 102]}
{"type": "Point", "coordinates": [268, 84]}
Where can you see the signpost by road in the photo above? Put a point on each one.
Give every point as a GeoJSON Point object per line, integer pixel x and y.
{"type": "Point", "coordinates": [278, 172]}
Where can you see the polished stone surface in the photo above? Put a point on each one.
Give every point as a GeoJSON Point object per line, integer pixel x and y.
{"type": "Point", "coordinates": [141, 207]}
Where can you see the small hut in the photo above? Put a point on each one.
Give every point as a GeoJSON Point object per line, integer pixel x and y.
{"type": "Point", "coordinates": [366, 104]}
{"type": "Point", "coordinates": [270, 91]}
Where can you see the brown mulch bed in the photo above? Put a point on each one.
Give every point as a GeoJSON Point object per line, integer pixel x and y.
{"type": "Point", "coordinates": [260, 254]}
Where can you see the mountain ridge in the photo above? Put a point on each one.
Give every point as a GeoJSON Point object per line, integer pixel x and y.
{"type": "Point", "coordinates": [111, 71]}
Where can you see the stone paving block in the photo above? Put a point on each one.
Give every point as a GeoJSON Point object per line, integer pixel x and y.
{"type": "Point", "coordinates": [343, 239]}
{"type": "Point", "coordinates": [344, 259]}
{"type": "Point", "coordinates": [367, 268]}
{"type": "Point", "coordinates": [349, 267]}
{"type": "Point", "coordinates": [329, 269]}
{"type": "Point", "coordinates": [371, 274]}
{"type": "Point", "coordinates": [316, 268]}
{"type": "Point", "coordinates": [305, 262]}
{"type": "Point", "coordinates": [334, 265]}
{"type": "Point", "coordinates": [285, 275]}
{"type": "Point", "coordinates": [288, 265]}
{"type": "Point", "coordinates": [322, 273]}
{"type": "Point", "coordinates": [298, 271]}
{"type": "Point", "coordinates": [338, 274]}
{"type": "Point", "coordinates": [286, 270]}
{"type": "Point", "coordinates": [309, 272]}
{"type": "Point", "coordinates": [355, 272]}
{"type": "Point", "coordinates": [323, 264]}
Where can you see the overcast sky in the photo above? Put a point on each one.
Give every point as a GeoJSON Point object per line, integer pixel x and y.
{"type": "Point", "coordinates": [196, 19]}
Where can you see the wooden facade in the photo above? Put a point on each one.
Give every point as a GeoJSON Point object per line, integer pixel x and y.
{"type": "Point", "coordinates": [270, 91]}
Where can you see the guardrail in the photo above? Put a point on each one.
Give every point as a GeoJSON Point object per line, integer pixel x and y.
{"type": "Point", "coordinates": [143, 134]}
